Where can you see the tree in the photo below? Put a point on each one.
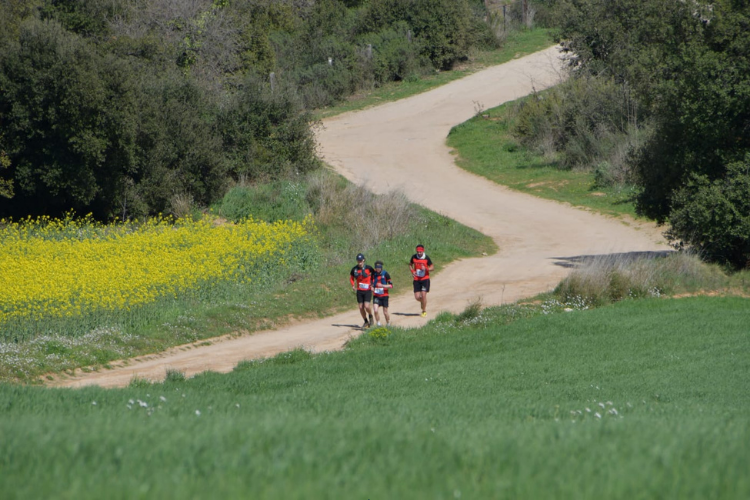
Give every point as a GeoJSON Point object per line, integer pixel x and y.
{"type": "Point", "coordinates": [689, 65]}
{"type": "Point", "coordinates": [56, 112]}
{"type": "Point", "coordinates": [714, 216]}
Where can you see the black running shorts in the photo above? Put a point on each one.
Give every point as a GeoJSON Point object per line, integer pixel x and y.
{"type": "Point", "coordinates": [381, 301]}
{"type": "Point", "coordinates": [421, 286]}
{"type": "Point", "coordinates": [364, 296]}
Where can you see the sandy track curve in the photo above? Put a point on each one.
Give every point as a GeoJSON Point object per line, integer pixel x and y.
{"type": "Point", "coordinates": [401, 145]}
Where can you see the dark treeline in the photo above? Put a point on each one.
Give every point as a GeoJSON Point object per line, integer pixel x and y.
{"type": "Point", "coordinates": [659, 98]}
{"type": "Point", "coordinates": [126, 108]}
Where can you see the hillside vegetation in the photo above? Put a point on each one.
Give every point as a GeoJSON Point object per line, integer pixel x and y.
{"type": "Point", "coordinates": [659, 98]}
{"type": "Point", "coordinates": [126, 109]}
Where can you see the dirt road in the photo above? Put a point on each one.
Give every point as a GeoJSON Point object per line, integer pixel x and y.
{"type": "Point", "coordinates": [401, 145]}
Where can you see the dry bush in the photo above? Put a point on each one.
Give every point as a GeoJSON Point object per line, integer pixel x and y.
{"type": "Point", "coordinates": [608, 278]}
{"type": "Point", "coordinates": [371, 217]}
{"type": "Point", "coordinates": [181, 205]}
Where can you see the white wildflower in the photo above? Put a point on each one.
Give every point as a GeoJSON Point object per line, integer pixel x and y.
{"type": "Point", "coordinates": [597, 415]}
{"type": "Point", "coordinates": [198, 412]}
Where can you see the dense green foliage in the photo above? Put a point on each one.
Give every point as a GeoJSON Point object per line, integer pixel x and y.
{"type": "Point", "coordinates": [716, 215]}
{"type": "Point", "coordinates": [129, 108]}
{"type": "Point", "coordinates": [488, 145]}
{"type": "Point", "coordinates": [644, 399]}
{"type": "Point", "coordinates": [678, 114]}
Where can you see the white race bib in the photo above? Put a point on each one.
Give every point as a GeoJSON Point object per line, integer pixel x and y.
{"type": "Point", "coordinates": [379, 291]}
{"type": "Point", "coordinates": [364, 286]}
{"type": "Point", "coordinates": [420, 273]}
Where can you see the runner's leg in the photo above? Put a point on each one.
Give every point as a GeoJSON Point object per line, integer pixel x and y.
{"type": "Point", "coordinates": [368, 306]}
{"type": "Point", "coordinates": [376, 306]}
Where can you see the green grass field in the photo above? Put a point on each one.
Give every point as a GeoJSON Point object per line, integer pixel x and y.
{"type": "Point", "coordinates": [485, 146]}
{"type": "Point", "coordinates": [484, 407]}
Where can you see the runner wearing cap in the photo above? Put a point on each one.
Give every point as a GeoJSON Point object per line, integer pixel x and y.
{"type": "Point", "coordinates": [361, 277]}
{"type": "Point", "coordinates": [381, 285]}
{"type": "Point", "coordinates": [420, 266]}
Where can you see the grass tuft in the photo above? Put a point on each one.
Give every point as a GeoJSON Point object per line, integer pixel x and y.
{"type": "Point", "coordinates": [175, 376]}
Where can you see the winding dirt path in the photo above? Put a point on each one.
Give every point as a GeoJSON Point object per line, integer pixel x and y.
{"type": "Point", "coordinates": [401, 145]}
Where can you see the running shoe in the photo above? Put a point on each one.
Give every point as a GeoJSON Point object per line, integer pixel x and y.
{"type": "Point", "coordinates": [424, 314]}
{"type": "Point", "coordinates": [379, 323]}
{"type": "Point", "coordinates": [367, 323]}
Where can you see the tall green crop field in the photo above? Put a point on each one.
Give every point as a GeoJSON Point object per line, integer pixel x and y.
{"type": "Point", "coordinates": [643, 399]}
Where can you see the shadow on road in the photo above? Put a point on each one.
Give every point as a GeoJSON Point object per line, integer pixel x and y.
{"type": "Point", "coordinates": [579, 260]}
{"type": "Point", "coordinates": [405, 314]}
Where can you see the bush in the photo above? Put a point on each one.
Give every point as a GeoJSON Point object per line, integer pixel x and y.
{"type": "Point", "coordinates": [270, 202]}
{"type": "Point", "coordinates": [587, 123]}
{"type": "Point", "coordinates": [394, 57]}
{"type": "Point", "coordinates": [372, 218]}
{"type": "Point", "coordinates": [609, 278]}
{"type": "Point", "coordinates": [714, 217]}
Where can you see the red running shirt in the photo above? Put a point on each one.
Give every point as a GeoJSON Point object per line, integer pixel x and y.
{"type": "Point", "coordinates": [362, 277]}
{"type": "Point", "coordinates": [421, 267]}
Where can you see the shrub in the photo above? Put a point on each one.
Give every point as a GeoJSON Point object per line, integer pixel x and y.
{"type": "Point", "coordinates": [587, 123]}
{"type": "Point", "coordinates": [608, 278]}
{"type": "Point", "coordinates": [372, 218]}
{"type": "Point", "coordinates": [714, 217]}
{"type": "Point", "coordinates": [394, 57]}
{"type": "Point", "coordinates": [270, 202]}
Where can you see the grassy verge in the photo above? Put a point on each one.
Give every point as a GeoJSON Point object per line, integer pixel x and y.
{"type": "Point", "coordinates": [349, 220]}
{"type": "Point", "coordinates": [641, 399]}
{"type": "Point", "coordinates": [485, 146]}
{"type": "Point", "coordinates": [518, 44]}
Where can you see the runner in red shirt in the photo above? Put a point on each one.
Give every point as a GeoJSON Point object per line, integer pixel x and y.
{"type": "Point", "coordinates": [361, 277]}
{"type": "Point", "coordinates": [420, 266]}
{"type": "Point", "coordinates": [381, 285]}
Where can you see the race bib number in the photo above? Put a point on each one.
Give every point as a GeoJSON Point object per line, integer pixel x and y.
{"type": "Point", "coordinates": [364, 286]}
{"type": "Point", "coordinates": [379, 291]}
{"type": "Point", "coordinates": [420, 273]}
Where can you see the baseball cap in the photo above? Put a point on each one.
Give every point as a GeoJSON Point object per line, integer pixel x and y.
{"type": "Point", "coordinates": [378, 265]}
{"type": "Point", "coordinates": [360, 257]}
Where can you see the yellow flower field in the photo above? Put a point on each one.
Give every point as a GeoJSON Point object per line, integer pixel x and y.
{"type": "Point", "coordinates": [65, 269]}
